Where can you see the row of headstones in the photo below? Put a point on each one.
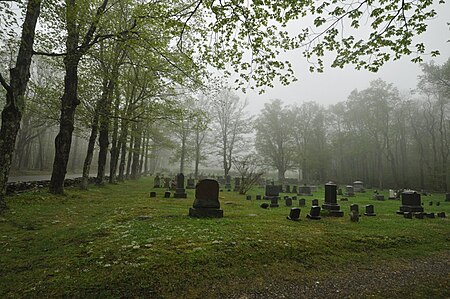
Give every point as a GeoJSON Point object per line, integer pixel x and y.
{"type": "Point", "coordinates": [412, 206]}
{"type": "Point", "coordinates": [314, 213]}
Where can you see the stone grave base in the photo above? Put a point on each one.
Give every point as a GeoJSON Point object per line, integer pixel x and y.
{"type": "Point", "coordinates": [313, 217]}
{"type": "Point", "coordinates": [205, 213]}
{"type": "Point", "coordinates": [370, 214]}
{"type": "Point", "coordinates": [412, 209]}
{"type": "Point", "coordinates": [180, 195]}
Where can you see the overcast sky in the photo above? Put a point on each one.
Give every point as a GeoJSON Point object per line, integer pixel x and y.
{"type": "Point", "coordinates": [334, 85]}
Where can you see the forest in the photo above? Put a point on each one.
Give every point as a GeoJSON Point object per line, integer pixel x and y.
{"type": "Point", "coordinates": [121, 89]}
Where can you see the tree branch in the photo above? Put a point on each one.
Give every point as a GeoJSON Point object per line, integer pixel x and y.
{"type": "Point", "coordinates": [4, 83]}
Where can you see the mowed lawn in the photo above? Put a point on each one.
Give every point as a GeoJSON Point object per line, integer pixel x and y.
{"type": "Point", "coordinates": [116, 241]}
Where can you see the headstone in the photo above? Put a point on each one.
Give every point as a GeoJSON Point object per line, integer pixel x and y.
{"type": "Point", "coordinates": [272, 191]}
{"type": "Point", "coordinates": [249, 197]}
{"type": "Point", "coordinates": [294, 189]}
{"type": "Point", "coordinates": [190, 183]}
{"type": "Point", "coordinates": [288, 202]}
{"type": "Point", "coordinates": [304, 190]}
{"type": "Point", "coordinates": [167, 183]}
{"type": "Point", "coordinates": [157, 182]}
{"type": "Point", "coordinates": [419, 215]}
{"type": "Point", "coordinates": [206, 203]}
{"type": "Point", "coordinates": [180, 192]}
{"type": "Point", "coordinates": [431, 215]}
{"type": "Point", "coordinates": [237, 184]}
{"type": "Point", "coordinates": [288, 189]}
{"type": "Point", "coordinates": [354, 207]}
{"type": "Point", "coordinates": [377, 196]}
{"type": "Point", "coordinates": [408, 215]}
{"type": "Point", "coordinates": [258, 197]}
{"type": "Point", "coordinates": [294, 214]}
{"type": "Point", "coordinates": [330, 203]}
{"type": "Point", "coordinates": [349, 190]}
{"type": "Point", "coordinates": [369, 211]}
{"type": "Point", "coordinates": [354, 216]}
{"type": "Point", "coordinates": [358, 186]}
{"type": "Point", "coordinates": [302, 202]}
{"type": "Point", "coordinates": [430, 203]}
{"type": "Point", "coordinates": [228, 182]}
{"type": "Point", "coordinates": [153, 194]}
{"type": "Point", "coordinates": [167, 194]}
{"type": "Point", "coordinates": [410, 202]}
{"type": "Point", "coordinates": [274, 202]}
{"type": "Point", "coordinates": [315, 202]}
{"type": "Point", "coordinates": [447, 197]}
{"type": "Point", "coordinates": [441, 214]}
{"type": "Point", "coordinates": [392, 194]}
{"type": "Point", "coordinates": [264, 205]}
{"type": "Point", "coordinates": [314, 213]}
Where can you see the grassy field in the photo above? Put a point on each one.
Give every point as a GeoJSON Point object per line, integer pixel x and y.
{"type": "Point", "coordinates": [116, 241]}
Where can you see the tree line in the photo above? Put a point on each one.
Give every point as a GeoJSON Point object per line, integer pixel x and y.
{"type": "Point", "coordinates": [116, 68]}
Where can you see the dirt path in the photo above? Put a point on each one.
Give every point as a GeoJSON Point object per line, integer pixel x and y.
{"type": "Point", "coordinates": [423, 278]}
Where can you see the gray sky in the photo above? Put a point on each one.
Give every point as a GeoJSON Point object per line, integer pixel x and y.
{"type": "Point", "coordinates": [334, 85]}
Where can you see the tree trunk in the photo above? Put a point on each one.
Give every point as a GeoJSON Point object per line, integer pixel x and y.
{"type": "Point", "coordinates": [130, 155]}
{"type": "Point", "coordinates": [15, 91]}
{"type": "Point", "coordinates": [135, 167]}
{"type": "Point", "coordinates": [114, 142]}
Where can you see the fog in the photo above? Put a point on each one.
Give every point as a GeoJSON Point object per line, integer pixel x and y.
{"type": "Point", "coordinates": [334, 85]}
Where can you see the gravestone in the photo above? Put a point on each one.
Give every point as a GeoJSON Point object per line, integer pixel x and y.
{"type": "Point", "coordinates": [237, 184]}
{"type": "Point", "coordinates": [314, 213]}
{"type": "Point", "coordinates": [369, 211]}
{"type": "Point", "coordinates": [349, 190]}
{"type": "Point", "coordinates": [180, 192]}
{"type": "Point", "coordinates": [206, 203]}
{"type": "Point", "coordinates": [153, 194]}
{"type": "Point", "coordinates": [288, 202]}
{"type": "Point", "coordinates": [392, 194]}
{"type": "Point", "coordinates": [410, 202]}
{"type": "Point", "coordinates": [408, 215]}
{"type": "Point", "coordinates": [315, 202]}
{"type": "Point", "coordinates": [354, 216]}
{"type": "Point", "coordinates": [228, 182]}
{"type": "Point", "coordinates": [377, 196]}
{"type": "Point", "coordinates": [167, 194]}
{"type": "Point", "coordinates": [430, 203]}
{"type": "Point", "coordinates": [288, 189]}
{"type": "Point", "coordinates": [294, 189]}
{"type": "Point", "coordinates": [258, 197]}
{"type": "Point", "coordinates": [249, 197]}
{"type": "Point", "coordinates": [264, 205]}
{"type": "Point", "coordinates": [190, 183]}
{"type": "Point", "coordinates": [167, 183]}
{"type": "Point", "coordinates": [358, 186]}
{"type": "Point", "coordinates": [272, 191]}
{"type": "Point", "coordinates": [431, 215]}
{"type": "Point", "coordinates": [354, 207]}
{"type": "Point", "coordinates": [302, 202]}
{"type": "Point", "coordinates": [441, 214]}
{"type": "Point", "coordinates": [304, 190]}
{"type": "Point", "coordinates": [294, 214]}
{"type": "Point", "coordinates": [447, 197]}
{"type": "Point", "coordinates": [331, 204]}
{"type": "Point", "coordinates": [157, 182]}
{"type": "Point", "coordinates": [274, 202]}
{"type": "Point", "coordinates": [419, 215]}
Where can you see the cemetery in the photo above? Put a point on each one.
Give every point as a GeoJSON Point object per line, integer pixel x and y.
{"type": "Point", "coordinates": [137, 238]}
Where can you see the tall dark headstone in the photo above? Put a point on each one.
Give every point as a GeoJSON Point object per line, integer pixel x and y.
{"type": "Point", "coordinates": [410, 202]}
{"type": "Point", "coordinates": [331, 201]}
{"type": "Point", "coordinates": [180, 192]}
{"type": "Point", "coordinates": [157, 182]}
{"type": "Point", "coordinates": [237, 184]}
{"type": "Point", "coordinates": [206, 203]}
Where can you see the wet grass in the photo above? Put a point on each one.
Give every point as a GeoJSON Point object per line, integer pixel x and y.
{"type": "Point", "coordinates": [116, 241]}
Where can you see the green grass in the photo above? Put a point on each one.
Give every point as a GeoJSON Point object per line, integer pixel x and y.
{"type": "Point", "coordinates": [96, 244]}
